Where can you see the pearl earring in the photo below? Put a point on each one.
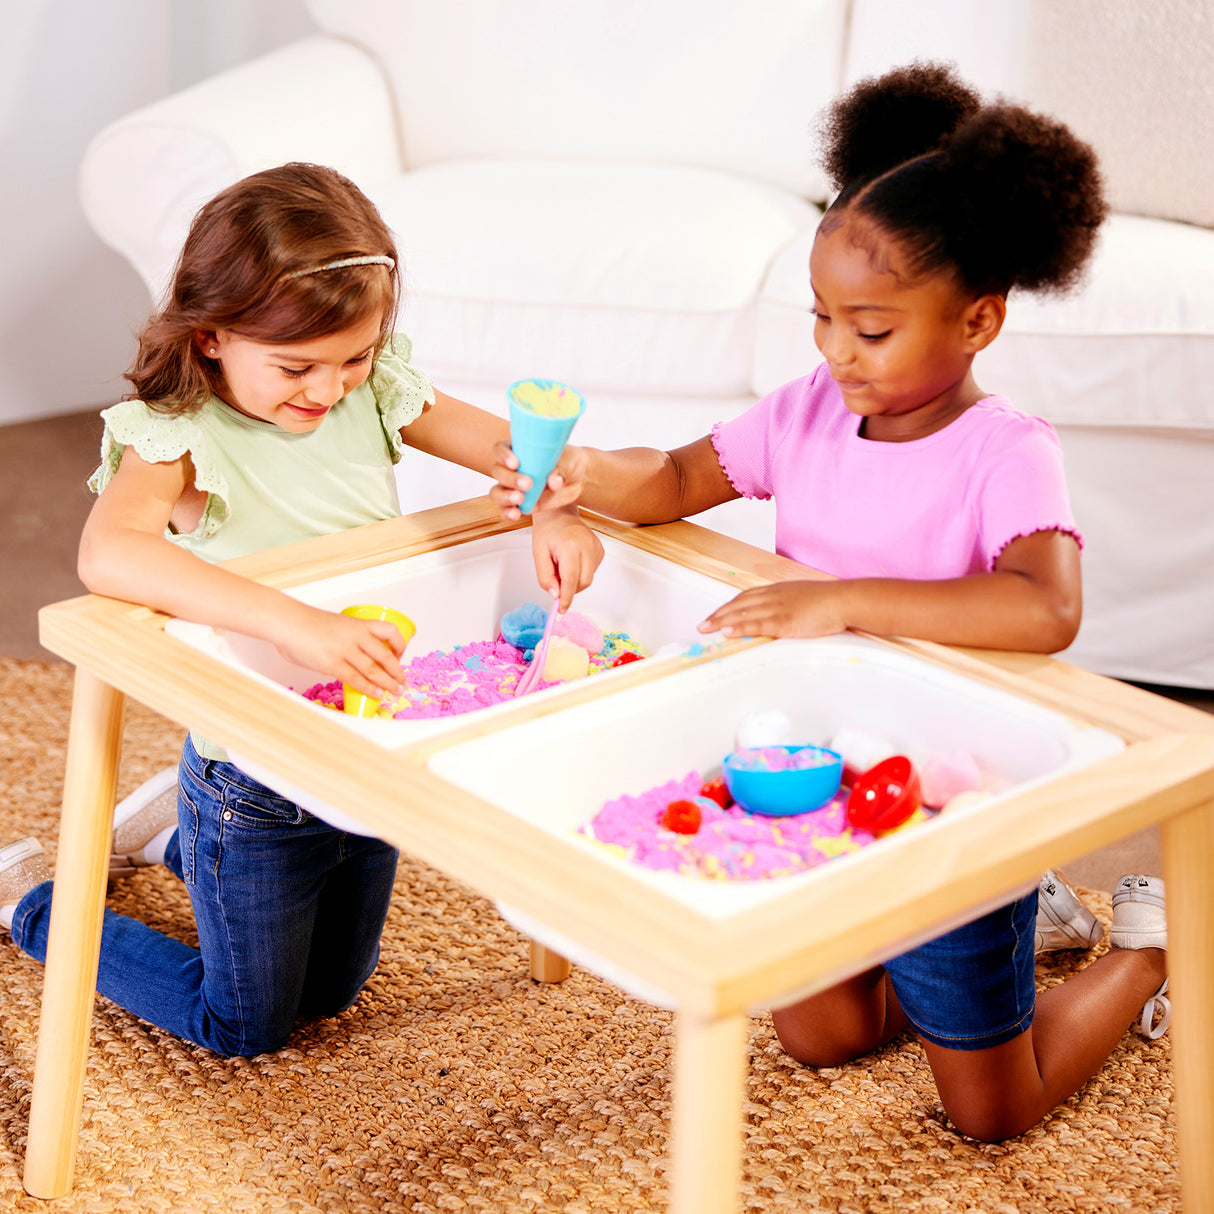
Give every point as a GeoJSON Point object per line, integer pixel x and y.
{"type": "Point", "coordinates": [212, 351]}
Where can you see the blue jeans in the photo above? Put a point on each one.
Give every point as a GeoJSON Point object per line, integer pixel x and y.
{"type": "Point", "coordinates": [289, 912]}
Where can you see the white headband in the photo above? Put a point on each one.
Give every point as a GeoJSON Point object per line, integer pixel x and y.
{"type": "Point", "coordinates": [371, 259]}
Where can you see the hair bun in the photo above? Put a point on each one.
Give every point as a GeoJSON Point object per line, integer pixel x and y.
{"type": "Point", "coordinates": [994, 194]}
{"type": "Point", "coordinates": [884, 121]}
{"type": "Point", "coordinates": [1030, 179]}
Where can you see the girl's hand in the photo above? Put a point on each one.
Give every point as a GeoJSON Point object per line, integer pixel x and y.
{"type": "Point", "coordinates": [364, 653]}
{"type": "Point", "coordinates": [783, 609]}
{"type": "Point", "coordinates": [1031, 601]}
{"type": "Point", "coordinates": [564, 488]}
{"type": "Point", "coordinates": [566, 552]}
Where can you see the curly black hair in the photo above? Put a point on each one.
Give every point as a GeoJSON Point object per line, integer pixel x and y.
{"type": "Point", "coordinates": [995, 194]}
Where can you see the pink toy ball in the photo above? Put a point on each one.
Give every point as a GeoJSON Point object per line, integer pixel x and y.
{"type": "Point", "coordinates": [947, 776]}
{"type": "Point", "coordinates": [885, 796]}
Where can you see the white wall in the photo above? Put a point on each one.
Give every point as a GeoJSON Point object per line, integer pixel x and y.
{"type": "Point", "coordinates": [69, 306]}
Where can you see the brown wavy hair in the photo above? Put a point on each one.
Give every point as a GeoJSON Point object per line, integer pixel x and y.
{"type": "Point", "coordinates": [235, 272]}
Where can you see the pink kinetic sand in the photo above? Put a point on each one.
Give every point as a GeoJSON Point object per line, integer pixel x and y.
{"type": "Point", "coordinates": [779, 758]}
{"type": "Point", "coordinates": [734, 845]}
{"type": "Point", "coordinates": [448, 682]}
{"type": "Point", "coordinates": [730, 844]}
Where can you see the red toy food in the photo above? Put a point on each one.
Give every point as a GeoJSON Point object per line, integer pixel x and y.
{"type": "Point", "coordinates": [718, 791]}
{"type": "Point", "coordinates": [683, 817]}
{"type": "Point", "coordinates": [885, 796]}
{"type": "Point", "coordinates": [626, 657]}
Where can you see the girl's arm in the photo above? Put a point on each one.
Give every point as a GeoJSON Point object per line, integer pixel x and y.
{"type": "Point", "coordinates": [123, 554]}
{"type": "Point", "coordinates": [1031, 601]}
{"type": "Point", "coordinates": [566, 551]}
{"type": "Point", "coordinates": [637, 485]}
{"type": "Point", "coordinates": [454, 430]}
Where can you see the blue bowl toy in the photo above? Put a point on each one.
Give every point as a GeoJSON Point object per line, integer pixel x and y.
{"type": "Point", "coordinates": [765, 781]}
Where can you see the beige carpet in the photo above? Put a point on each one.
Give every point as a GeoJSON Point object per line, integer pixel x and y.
{"type": "Point", "coordinates": [455, 1083]}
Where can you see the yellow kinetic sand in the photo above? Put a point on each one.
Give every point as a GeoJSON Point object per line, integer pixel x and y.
{"type": "Point", "coordinates": [542, 416]}
{"type": "Point", "coordinates": [547, 398]}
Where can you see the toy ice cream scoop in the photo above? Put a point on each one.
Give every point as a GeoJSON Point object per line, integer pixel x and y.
{"type": "Point", "coordinates": [542, 416]}
{"type": "Point", "coordinates": [565, 660]}
{"type": "Point", "coordinates": [355, 702]}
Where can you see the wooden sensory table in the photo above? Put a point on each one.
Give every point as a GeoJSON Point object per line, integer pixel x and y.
{"type": "Point", "coordinates": [715, 970]}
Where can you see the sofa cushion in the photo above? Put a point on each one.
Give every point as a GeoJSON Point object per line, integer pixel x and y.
{"type": "Point", "coordinates": [703, 82]}
{"type": "Point", "coordinates": [617, 277]}
{"type": "Point", "coordinates": [1141, 498]}
{"type": "Point", "coordinates": [1133, 346]}
{"type": "Point", "coordinates": [145, 175]}
{"type": "Point", "coordinates": [784, 347]}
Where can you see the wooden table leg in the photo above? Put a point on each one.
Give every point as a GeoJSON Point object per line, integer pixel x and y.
{"type": "Point", "coordinates": [81, 868]}
{"type": "Point", "coordinates": [706, 1138]}
{"type": "Point", "coordinates": [1188, 862]}
{"type": "Point", "coordinates": [547, 966]}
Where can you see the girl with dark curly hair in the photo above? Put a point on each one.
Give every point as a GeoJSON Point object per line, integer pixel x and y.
{"type": "Point", "coordinates": [942, 512]}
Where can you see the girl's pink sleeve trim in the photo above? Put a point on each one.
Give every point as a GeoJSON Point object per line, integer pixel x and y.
{"type": "Point", "coordinates": [721, 444]}
{"type": "Point", "coordinates": [1064, 528]}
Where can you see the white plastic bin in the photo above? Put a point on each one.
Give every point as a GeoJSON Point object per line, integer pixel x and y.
{"type": "Point", "coordinates": [557, 772]}
{"type": "Point", "coordinates": [459, 594]}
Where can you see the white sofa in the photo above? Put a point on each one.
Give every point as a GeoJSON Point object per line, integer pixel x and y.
{"type": "Point", "coordinates": [622, 194]}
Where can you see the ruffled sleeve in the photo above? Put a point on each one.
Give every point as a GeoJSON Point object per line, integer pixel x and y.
{"type": "Point", "coordinates": [159, 438]}
{"type": "Point", "coordinates": [401, 391]}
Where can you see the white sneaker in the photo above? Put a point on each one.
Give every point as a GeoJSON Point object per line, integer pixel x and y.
{"type": "Point", "coordinates": [1062, 919]}
{"type": "Point", "coordinates": [22, 866]}
{"type": "Point", "coordinates": [143, 824]}
{"type": "Point", "coordinates": [1139, 919]}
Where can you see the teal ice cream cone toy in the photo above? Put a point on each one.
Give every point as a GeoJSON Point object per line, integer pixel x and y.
{"type": "Point", "coordinates": [542, 416]}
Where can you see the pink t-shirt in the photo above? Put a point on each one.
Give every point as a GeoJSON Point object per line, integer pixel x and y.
{"type": "Point", "coordinates": [936, 507]}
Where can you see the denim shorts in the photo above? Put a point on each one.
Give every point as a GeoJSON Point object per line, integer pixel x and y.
{"type": "Point", "coordinates": [973, 987]}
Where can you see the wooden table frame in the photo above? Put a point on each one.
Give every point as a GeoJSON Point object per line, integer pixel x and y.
{"type": "Point", "coordinates": [715, 971]}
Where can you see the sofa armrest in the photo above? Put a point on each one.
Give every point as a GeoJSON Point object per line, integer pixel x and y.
{"type": "Point", "coordinates": [144, 176]}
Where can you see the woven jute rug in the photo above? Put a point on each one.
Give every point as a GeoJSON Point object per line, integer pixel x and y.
{"type": "Point", "coordinates": [456, 1083]}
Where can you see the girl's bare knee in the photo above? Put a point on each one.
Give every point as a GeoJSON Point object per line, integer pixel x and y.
{"type": "Point", "coordinates": [842, 1023]}
{"type": "Point", "coordinates": [989, 1124]}
{"type": "Point", "coordinates": [821, 1054]}
{"type": "Point", "coordinates": [816, 1049]}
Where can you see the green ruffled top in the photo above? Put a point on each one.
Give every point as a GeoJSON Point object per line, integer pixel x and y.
{"type": "Point", "coordinates": [267, 487]}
